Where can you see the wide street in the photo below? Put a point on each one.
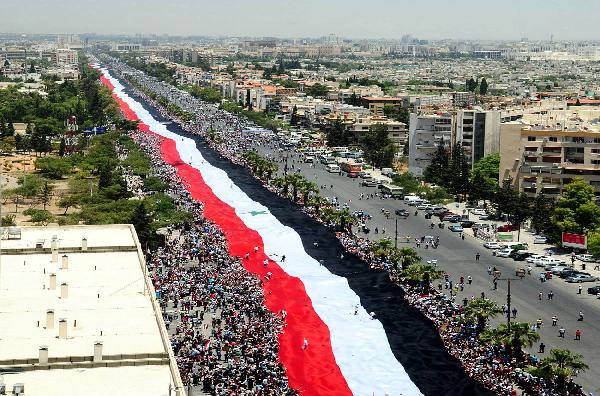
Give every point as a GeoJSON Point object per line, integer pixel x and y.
{"type": "Point", "coordinates": [457, 258]}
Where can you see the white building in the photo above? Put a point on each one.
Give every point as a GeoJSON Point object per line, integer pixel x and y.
{"type": "Point", "coordinates": [426, 132]}
{"type": "Point", "coordinates": [79, 315]}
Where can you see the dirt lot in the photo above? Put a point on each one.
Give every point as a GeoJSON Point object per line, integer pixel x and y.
{"type": "Point", "coordinates": [13, 167]}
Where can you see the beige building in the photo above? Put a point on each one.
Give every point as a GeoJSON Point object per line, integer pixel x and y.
{"type": "Point", "coordinates": [397, 131]}
{"type": "Point", "coordinates": [542, 154]}
{"type": "Point", "coordinates": [79, 315]}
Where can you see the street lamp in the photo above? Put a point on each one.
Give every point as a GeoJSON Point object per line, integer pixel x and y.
{"type": "Point", "coordinates": [507, 297]}
{"type": "Point", "coordinates": [396, 233]}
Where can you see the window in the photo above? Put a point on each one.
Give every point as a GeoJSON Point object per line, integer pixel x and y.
{"type": "Point", "coordinates": [531, 138]}
{"type": "Point", "coordinates": [553, 139]}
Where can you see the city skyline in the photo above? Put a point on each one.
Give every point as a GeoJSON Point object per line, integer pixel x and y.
{"type": "Point", "coordinates": [440, 20]}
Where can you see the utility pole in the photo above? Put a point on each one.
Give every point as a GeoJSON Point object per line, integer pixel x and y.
{"type": "Point", "coordinates": [508, 298]}
{"type": "Point", "coordinates": [396, 234]}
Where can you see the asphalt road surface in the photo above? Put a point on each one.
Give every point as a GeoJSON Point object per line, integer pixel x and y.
{"type": "Point", "coordinates": [457, 258]}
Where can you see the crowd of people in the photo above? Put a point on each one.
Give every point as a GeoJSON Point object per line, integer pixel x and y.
{"type": "Point", "coordinates": [192, 289]}
{"type": "Point", "coordinates": [223, 336]}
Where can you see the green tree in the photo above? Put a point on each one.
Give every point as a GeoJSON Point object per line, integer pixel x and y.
{"type": "Point", "coordinates": [541, 212]}
{"type": "Point", "coordinates": [408, 257]}
{"type": "Point", "coordinates": [478, 311]}
{"type": "Point", "coordinates": [317, 90]}
{"type": "Point", "coordinates": [576, 211]}
{"type": "Point", "coordinates": [39, 217]}
{"type": "Point", "coordinates": [424, 273]}
{"type": "Point", "coordinates": [294, 117]}
{"type": "Point", "coordinates": [46, 194]}
{"type": "Point", "coordinates": [483, 87]}
{"type": "Point", "coordinates": [52, 167]}
{"type": "Point", "coordinates": [141, 221]}
{"type": "Point", "coordinates": [377, 146]}
{"type": "Point", "coordinates": [437, 170]}
{"type": "Point", "coordinates": [513, 340]}
{"type": "Point", "coordinates": [62, 147]}
{"type": "Point", "coordinates": [337, 135]}
{"type": "Point", "coordinates": [558, 366]}
{"type": "Point", "coordinates": [458, 173]}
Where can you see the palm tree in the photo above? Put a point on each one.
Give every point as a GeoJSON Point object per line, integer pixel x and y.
{"type": "Point", "coordinates": [252, 159]}
{"type": "Point", "coordinates": [307, 188]}
{"type": "Point", "coordinates": [479, 310]}
{"type": "Point", "coordinates": [559, 366]}
{"type": "Point", "coordinates": [382, 247]}
{"type": "Point", "coordinates": [409, 257]}
{"type": "Point", "coordinates": [519, 335]}
{"type": "Point", "coordinates": [270, 168]}
{"type": "Point", "coordinates": [422, 272]}
{"type": "Point", "coordinates": [316, 201]}
{"type": "Point", "coordinates": [295, 180]}
{"type": "Point", "coordinates": [346, 219]}
{"type": "Point", "coordinates": [281, 182]}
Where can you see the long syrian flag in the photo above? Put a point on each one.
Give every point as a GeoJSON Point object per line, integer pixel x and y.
{"type": "Point", "coordinates": [348, 352]}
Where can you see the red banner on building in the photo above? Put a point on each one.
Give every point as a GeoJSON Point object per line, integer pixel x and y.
{"type": "Point", "coordinates": [578, 241]}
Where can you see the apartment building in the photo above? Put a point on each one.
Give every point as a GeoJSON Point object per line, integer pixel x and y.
{"type": "Point", "coordinates": [343, 95]}
{"type": "Point", "coordinates": [397, 131]}
{"type": "Point", "coordinates": [65, 57]}
{"type": "Point", "coordinates": [478, 132]}
{"type": "Point", "coordinates": [376, 104]}
{"type": "Point", "coordinates": [544, 157]}
{"type": "Point", "coordinates": [426, 132]}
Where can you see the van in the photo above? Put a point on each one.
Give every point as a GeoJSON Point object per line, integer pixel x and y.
{"type": "Point", "coordinates": [386, 171]}
{"type": "Point", "coordinates": [332, 168]}
{"type": "Point", "coordinates": [412, 199]}
{"type": "Point", "coordinates": [309, 159]}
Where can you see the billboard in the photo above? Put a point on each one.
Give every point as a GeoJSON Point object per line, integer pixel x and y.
{"type": "Point", "coordinates": [578, 241]}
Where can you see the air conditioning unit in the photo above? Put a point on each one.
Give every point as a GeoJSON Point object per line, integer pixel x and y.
{"type": "Point", "coordinates": [19, 389]}
{"type": "Point", "coordinates": [533, 185]}
{"type": "Point", "coordinates": [556, 165]}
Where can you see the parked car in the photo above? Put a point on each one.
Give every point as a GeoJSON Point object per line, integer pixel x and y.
{"type": "Point", "coordinates": [479, 212]}
{"type": "Point", "coordinates": [519, 255]}
{"type": "Point", "coordinates": [569, 272]}
{"type": "Point", "coordinates": [364, 175]}
{"type": "Point", "coordinates": [467, 223]}
{"type": "Point", "coordinates": [508, 228]}
{"type": "Point", "coordinates": [492, 245]}
{"type": "Point", "coordinates": [588, 258]}
{"type": "Point", "coordinates": [539, 239]}
{"type": "Point", "coordinates": [533, 257]}
{"type": "Point", "coordinates": [451, 218]}
{"type": "Point", "coordinates": [556, 269]}
{"type": "Point", "coordinates": [455, 228]}
{"type": "Point", "coordinates": [477, 226]}
{"type": "Point", "coordinates": [423, 206]}
{"type": "Point", "coordinates": [503, 252]}
{"type": "Point", "coordinates": [579, 278]}
{"type": "Point", "coordinates": [369, 183]}
{"type": "Point", "coordinates": [595, 290]}
{"type": "Point", "coordinates": [547, 261]}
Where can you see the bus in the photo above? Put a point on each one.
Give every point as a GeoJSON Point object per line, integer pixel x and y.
{"type": "Point", "coordinates": [394, 191]}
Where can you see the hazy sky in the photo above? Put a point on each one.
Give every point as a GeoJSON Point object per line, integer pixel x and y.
{"type": "Point", "coordinates": [432, 19]}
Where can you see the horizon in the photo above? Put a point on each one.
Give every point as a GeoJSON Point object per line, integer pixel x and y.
{"type": "Point", "coordinates": [459, 20]}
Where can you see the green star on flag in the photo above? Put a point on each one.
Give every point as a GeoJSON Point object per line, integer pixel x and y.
{"type": "Point", "coordinates": [257, 212]}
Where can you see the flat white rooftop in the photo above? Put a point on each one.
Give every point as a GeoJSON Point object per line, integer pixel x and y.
{"type": "Point", "coordinates": [104, 297]}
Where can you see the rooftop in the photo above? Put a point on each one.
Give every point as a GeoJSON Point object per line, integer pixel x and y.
{"type": "Point", "coordinates": [79, 316]}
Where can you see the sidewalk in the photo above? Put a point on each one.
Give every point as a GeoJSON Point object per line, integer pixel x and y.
{"type": "Point", "coordinates": [526, 236]}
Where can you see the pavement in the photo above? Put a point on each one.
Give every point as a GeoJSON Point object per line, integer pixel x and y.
{"type": "Point", "coordinates": [457, 258]}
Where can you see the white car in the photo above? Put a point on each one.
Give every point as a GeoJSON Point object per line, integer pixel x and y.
{"type": "Point", "coordinates": [555, 269]}
{"type": "Point", "coordinates": [479, 212]}
{"type": "Point", "coordinates": [539, 239]}
{"type": "Point", "coordinates": [492, 245]}
{"type": "Point", "coordinates": [548, 262]}
{"type": "Point", "coordinates": [423, 206]}
{"type": "Point", "coordinates": [588, 258]}
{"type": "Point", "coordinates": [533, 257]}
{"type": "Point", "coordinates": [503, 253]}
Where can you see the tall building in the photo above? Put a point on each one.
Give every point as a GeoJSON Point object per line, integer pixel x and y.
{"type": "Point", "coordinates": [478, 132]}
{"type": "Point", "coordinates": [542, 154]}
{"type": "Point", "coordinates": [426, 133]}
